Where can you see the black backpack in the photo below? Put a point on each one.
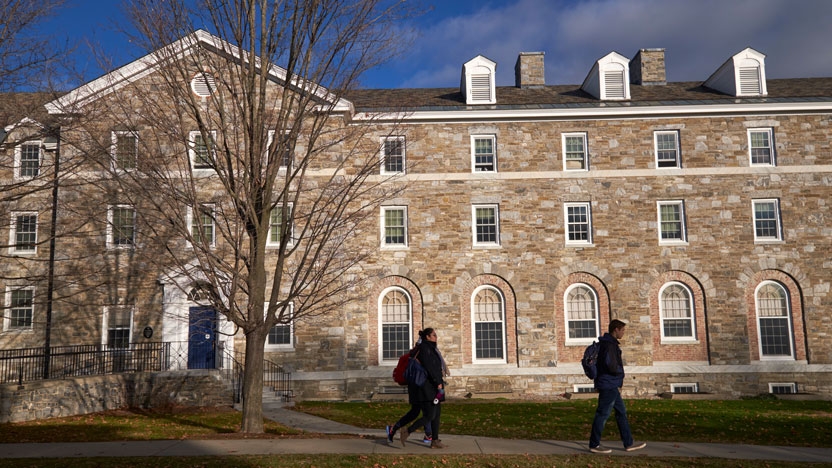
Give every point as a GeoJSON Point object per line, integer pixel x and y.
{"type": "Point", "coordinates": [590, 360]}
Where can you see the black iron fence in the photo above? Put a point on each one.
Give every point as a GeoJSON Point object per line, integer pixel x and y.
{"type": "Point", "coordinates": [280, 381]}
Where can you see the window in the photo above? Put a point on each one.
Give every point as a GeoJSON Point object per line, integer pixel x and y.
{"type": "Point", "coordinates": [684, 388]}
{"type": "Point", "coordinates": [486, 225]}
{"type": "Point", "coordinates": [281, 335]}
{"type": "Point", "coordinates": [395, 318]}
{"type": "Point", "coordinates": [125, 150]}
{"type": "Point", "coordinates": [767, 220]}
{"type": "Point", "coordinates": [574, 152]}
{"type": "Point", "coordinates": [774, 325]}
{"type": "Point", "coordinates": [760, 147]}
{"type": "Point", "coordinates": [121, 226]}
{"type": "Point", "coordinates": [283, 151]}
{"type": "Point", "coordinates": [27, 160]}
{"type": "Point", "coordinates": [782, 388]}
{"type": "Point", "coordinates": [278, 228]}
{"type": "Point", "coordinates": [21, 309]}
{"type": "Point", "coordinates": [393, 226]}
{"type": "Point", "coordinates": [584, 388]}
{"type": "Point", "coordinates": [578, 224]}
{"type": "Point", "coordinates": [24, 233]}
{"type": "Point", "coordinates": [117, 325]}
{"type": "Point", "coordinates": [676, 312]}
{"type": "Point", "coordinates": [483, 153]}
{"type": "Point", "coordinates": [392, 155]}
{"type": "Point", "coordinates": [672, 222]}
{"type": "Point", "coordinates": [201, 152]}
{"type": "Point", "coordinates": [581, 306]}
{"type": "Point", "coordinates": [489, 324]}
{"type": "Point", "coordinates": [201, 221]}
{"type": "Point", "coordinates": [667, 149]}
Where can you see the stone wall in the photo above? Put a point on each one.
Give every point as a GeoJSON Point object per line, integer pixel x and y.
{"type": "Point", "coordinates": [84, 395]}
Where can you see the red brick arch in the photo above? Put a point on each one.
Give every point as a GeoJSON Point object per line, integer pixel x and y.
{"type": "Point", "coordinates": [574, 353]}
{"type": "Point", "coordinates": [795, 304]}
{"type": "Point", "coordinates": [372, 309]}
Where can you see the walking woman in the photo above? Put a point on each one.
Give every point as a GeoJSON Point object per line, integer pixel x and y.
{"type": "Point", "coordinates": [423, 396]}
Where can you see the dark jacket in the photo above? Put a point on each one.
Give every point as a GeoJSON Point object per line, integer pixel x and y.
{"type": "Point", "coordinates": [427, 354]}
{"type": "Point", "coordinates": [610, 364]}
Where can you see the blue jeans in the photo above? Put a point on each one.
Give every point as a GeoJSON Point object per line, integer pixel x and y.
{"type": "Point", "coordinates": [607, 401]}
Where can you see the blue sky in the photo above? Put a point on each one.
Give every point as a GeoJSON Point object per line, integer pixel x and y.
{"type": "Point", "coordinates": [697, 35]}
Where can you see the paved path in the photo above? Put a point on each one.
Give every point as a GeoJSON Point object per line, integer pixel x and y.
{"type": "Point", "coordinates": [374, 442]}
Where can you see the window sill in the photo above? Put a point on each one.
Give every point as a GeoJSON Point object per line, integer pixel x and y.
{"type": "Point", "coordinates": [487, 246]}
{"type": "Point", "coordinates": [667, 342]}
{"type": "Point", "coordinates": [580, 342]}
{"type": "Point", "coordinates": [394, 248]}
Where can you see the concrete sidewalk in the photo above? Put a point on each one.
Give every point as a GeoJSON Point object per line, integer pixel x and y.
{"type": "Point", "coordinates": [374, 442]}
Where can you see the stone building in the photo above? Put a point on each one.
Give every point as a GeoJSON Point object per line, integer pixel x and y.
{"type": "Point", "coordinates": [697, 212]}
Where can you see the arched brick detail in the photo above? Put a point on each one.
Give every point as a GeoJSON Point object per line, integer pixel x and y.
{"type": "Point", "coordinates": [574, 353]}
{"type": "Point", "coordinates": [795, 303]}
{"type": "Point", "coordinates": [669, 351]}
{"type": "Point", "coordinates": [510, 319]}
{"type": "Point", "coordinates": [372, 311]}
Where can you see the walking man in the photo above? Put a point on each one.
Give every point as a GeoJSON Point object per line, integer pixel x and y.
{"type": "Point", "coordinates": [608, 383]}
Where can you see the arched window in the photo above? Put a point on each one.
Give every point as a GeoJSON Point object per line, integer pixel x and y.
{"type": "Point", "coordinates": [581, 305]}
{"type": "Point", "coordinates": [677, 313]}
{"type": "Point", "coordinates": [395, 321]}
{"type": "Point", "coordinates": [488, 318]}
{"type": "Point", "coordinates": [774, 321]}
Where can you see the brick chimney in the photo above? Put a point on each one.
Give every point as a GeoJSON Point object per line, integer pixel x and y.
{"type": "Point", "coordinates": [647, 68]}
{"type": "Point", "coordinates": [528, 71]}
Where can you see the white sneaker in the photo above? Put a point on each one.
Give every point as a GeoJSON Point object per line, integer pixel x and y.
{"type": "Point", "coordinates": [635, 447]}
{"type": "Point", "coordinates": [600, 449]}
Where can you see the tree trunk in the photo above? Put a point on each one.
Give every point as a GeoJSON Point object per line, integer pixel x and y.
{"type": "Point", "coordinates": [253, 383]}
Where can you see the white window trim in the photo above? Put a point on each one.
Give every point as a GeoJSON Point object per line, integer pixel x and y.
{"type": "Point", "coordinates": [474, 225]}
{"type": "Point", "coordinates": [677, 339]}
{"type": "Point", "coordinates": [110, 240]}
{"type": "Point", "coordinates": [580, 341]}
{"type": "Point", "coordinates": [789, 322]}
{"type": "Point", "coordinates": [674, 387]}
{"type": "Point", "coordinates": [493, 139]}
{"type": "Point", "coordinates": [114, 149]}
{"type": "Point", "coordinates": [474, 358]}
{"type": "Point", "coordinates": [189, 219]}
{"type": "Point", "coordinates": [675, 134]}
{"type": "Point", "coordinates": [291, 241]}
{"type": "Point", "coordinates": [13, 233]}
{"type": "Point", "coordinates": [791, 385]}
{"type": "Point", "coordinates": [281, 347]}
{"type": "Point", "coordinates": [773, 154]}
{"type": "Point", "coordinates": [7, 316]}
{"type": "Point", "coordinates": [380, 323]}
{"type": "Point", "coordinates": [582, 135]}
{"type": "Point", "coordinates": [105, 316]}
{"type": "Point", "coordinates": [382, 155]}
{"type": "Point", "coordinates": [580, 243]}
{"type": "Point", "coordinates": [681, 205]}
{"type": "Point", "coordinates": [192, 152]}
{"type": "Point", "coordinates": [18, 153]}
{"type": "Point", "coordinates": [384, 244]}
{"type": "Point", "coordinates": [779, 221]}
{"type": "Point", "coordinates": [282, 168]}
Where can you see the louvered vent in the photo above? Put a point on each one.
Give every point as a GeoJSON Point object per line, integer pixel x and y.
{"type": "Point", "coordinates": [750, 80]}
{"type": "Point", "coordinates": [203, 85]}
{"type": "Point", "coordinates": [614, 85]}
{"type": "Point", "coordinates": [481, 88]}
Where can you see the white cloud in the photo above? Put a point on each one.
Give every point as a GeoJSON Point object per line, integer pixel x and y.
{"type": "Point", "coordinates": [698, 37]}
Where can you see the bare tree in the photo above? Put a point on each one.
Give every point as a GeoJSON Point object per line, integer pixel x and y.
{"type": "Point", "coordinates": [25, 54]}
{"type": "Point", "coordinates": [253, 174]}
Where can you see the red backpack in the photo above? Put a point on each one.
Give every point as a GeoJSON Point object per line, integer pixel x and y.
{"type": "Point", "coordinates": [398, 372]}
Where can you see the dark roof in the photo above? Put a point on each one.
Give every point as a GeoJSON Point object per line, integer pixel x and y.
{"type": "Point", "coordinates": [564, 96]}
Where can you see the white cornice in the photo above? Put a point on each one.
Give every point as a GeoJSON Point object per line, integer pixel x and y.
{"type": "Point", "coordinates": [599, 112]}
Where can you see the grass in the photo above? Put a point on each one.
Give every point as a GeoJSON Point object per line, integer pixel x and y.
{"type": "Point", "coordinates": [765, 422]}
{"type": "Point", "coordinates": [758, 422]}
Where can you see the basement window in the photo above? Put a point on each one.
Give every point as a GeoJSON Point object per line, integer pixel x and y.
{"type": "Point", "coordinates": [782, 388]}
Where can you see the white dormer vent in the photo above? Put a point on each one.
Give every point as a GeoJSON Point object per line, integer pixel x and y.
{"type": "Point", "coordinates": [203, 84]}
{"type": "Point", "coordinates": [742, 75]}
{"type": "Point", "coordinates": [608, 78]}
{"type": "Point", "coordinates": [477, 81]}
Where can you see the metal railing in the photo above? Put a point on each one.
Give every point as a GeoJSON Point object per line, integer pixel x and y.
{"type": "Point", "coordinates": [278, 379]}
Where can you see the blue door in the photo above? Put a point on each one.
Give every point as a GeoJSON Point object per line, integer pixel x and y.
{"type": "Point", "coordinates": [202, 335]}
